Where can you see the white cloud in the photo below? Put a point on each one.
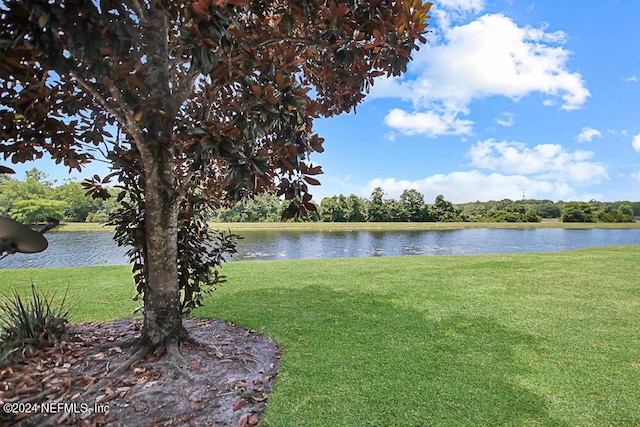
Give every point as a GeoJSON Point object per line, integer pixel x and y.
{"type": "Point", "coordinates": [636, 142]}
{"type": "Point", "coordinates": [493, 56]}
{"type": "Point", "coordinates": [490, 56]}
{"type": "Point", "coordinates": [633, 78]}
{"type": "Point", "coordinates": [429, 123]}
{"type": "Point", "coordinates": [505, 119]}
{"type": "Point", "coordinates": [447, 11]}
{"type": "Point", "coordinates": [587, 134]}
{"type": "Point", "coordinates": [461, 187]}
{"type": "Point", "coordinates": [461, 6]}
{"type": "Point", "coordinates": [636, 176]}
{"type": "Point", "coordinates": [546, 171]}
{"type": "Point", "coordinates": [546, 161]}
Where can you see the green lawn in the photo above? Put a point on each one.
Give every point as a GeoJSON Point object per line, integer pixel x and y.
{"type": "Point", "coordinates": [550, 339]}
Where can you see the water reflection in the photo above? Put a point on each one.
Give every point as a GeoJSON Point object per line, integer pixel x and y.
{"type": "Point", "coordinates": [305, 245]}
{"type": "Point", "coordinates": [98, 248]}
{"type": "Point", "coordinates": [71, 250]}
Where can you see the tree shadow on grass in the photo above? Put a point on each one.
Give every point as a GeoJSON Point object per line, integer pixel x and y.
{"type": "Point", "coordinates": [360, 359]}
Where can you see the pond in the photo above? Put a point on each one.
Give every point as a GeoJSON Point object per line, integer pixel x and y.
{"type": "Point", "coordinates": [97, 248]}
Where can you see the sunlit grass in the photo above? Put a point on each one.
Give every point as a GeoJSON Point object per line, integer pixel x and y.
{"type": "Point", "coordinates": [95, 293]}
{"type": "Point", "coordinates": [549, 339]}
{"type": "Point", "coordinates": [531, 339]}
{"type": "Point", "coordinates": [81, 226]}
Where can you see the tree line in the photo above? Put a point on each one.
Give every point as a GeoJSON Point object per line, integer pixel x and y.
{"type": "Point", "coordinates": [35, 198]}
{"type": "Point", "coordinates": [411, 207]}
{"type": "Point", "coordinates": [31, 200]}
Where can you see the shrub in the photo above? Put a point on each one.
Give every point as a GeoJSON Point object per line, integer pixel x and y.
{"type": "Point", "coordinates": [100, 217]}
{"type": "Point", "coordinates": [36, 322]}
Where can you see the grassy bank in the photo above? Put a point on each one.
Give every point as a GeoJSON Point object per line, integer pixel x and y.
{"type": "Point", "coordinates": [377, 226]}
{"type": "Point", "coordinates": [547, 339]}
{"type": "Point", "coordinates": [81, 226]}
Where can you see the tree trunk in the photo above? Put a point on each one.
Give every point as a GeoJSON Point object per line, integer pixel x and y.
{"type": "Point", "coordinates": [162, 312]}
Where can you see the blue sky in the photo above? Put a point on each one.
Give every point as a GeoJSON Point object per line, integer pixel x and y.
{"type": "Point", "coordinates": [540, 98]}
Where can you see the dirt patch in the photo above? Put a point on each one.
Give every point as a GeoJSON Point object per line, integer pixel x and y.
{"type": "Point", "coordinates": [226, 379]}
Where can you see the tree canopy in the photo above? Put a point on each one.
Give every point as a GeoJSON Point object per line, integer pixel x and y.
{"type": "Point", "coordinates": [196, 104]}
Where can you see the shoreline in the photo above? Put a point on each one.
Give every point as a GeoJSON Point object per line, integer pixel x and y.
{"type": "Point", "coordinates": [370, 226]}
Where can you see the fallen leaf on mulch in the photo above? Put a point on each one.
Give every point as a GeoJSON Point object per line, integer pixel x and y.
{"type": "Point", "coordinates": [238, 405]}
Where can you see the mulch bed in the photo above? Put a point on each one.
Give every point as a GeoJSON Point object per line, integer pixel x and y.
{"type": "Point", "coordinates": [226, 380]}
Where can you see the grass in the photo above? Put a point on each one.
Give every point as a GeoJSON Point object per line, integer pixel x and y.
{"type": "Point", "coordinates": [94, 293]}
{"type": "Point", "coordinates": [409, 226]}
{"type": "Point", "coordinates": [550, 339]}
{"type": "Point", "coordinates": [81, 226]}
{"type": "Point", "coordinates": [376, 226]}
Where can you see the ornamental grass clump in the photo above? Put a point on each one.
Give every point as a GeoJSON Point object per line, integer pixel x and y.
{"type": "Point", "coordinates": [36, 322]}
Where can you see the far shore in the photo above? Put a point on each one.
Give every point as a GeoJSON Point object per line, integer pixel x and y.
{"type": "Point", "coordinates": [370, 226]}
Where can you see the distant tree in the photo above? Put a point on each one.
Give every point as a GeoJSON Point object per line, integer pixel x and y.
{"type": "Point", "coordinates": [259, 208]}
{"type": "Point", "coordinates": [343, 209]}
{"type": "Point", "coordinates": [413, 203]}
{"type": "Point", "coordinates": [625, 213]}
{"type": "Point", "coordinates": [396, 211]}
{"type": "Point", "coordinates": [212, 100]}
{"type": "Point", "coordinates": [358, 209]}
{"type": "Point", "coordinates": [517, 212]}
{"type": "Point", "coordinates": [606, 213]}
{"type": "Point", "coordinates": [578, 212]}
{"type": "Point", "coordinates": [609, 213]}
{"type": "Point", "coordinates": [548, 209]}
{"type": "Point", "coordinates": [35, 210]}
{"type": "Point", "coordinates": [38, 176]}
{"type": "Point", "coordinates": [266, 207]}
{"type": "Point", "coordinates": [443, 210]}
{"type": "Point", "coordinates": [77, 206]}
{"type": "Point", "coordinates": [331, 211]}
{"type": "Point", "coordinates": [376, 208]}
{"type": "Point", "coordinates": [98, 217]}
{"type": "Point", "coordinates": [13, 191]}
{"type": "Point", "coordinates": [473, 211]}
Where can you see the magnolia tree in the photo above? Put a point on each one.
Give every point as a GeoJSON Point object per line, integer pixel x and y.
{"type": "Point", "coordinates": [195, 104]}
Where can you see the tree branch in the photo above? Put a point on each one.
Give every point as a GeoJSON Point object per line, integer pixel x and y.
{"type": "Point", "coordinates": [184, 86]}
{"type": "Point", "coordinates": [137, 6]}
{"type": "Point", "coordinates": [298, 40]}
{"type": "Point", "coordinates": [93, 91]}
{"type": "Point", "coordinates": [128, 117]}
{"type": "Point", "coordinates": [125, 118]}
{"type": "Point", "coordinates": [184, 185]}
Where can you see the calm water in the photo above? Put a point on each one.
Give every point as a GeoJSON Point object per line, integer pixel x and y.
{"type": "Point", "coordinates": [97, 248]}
